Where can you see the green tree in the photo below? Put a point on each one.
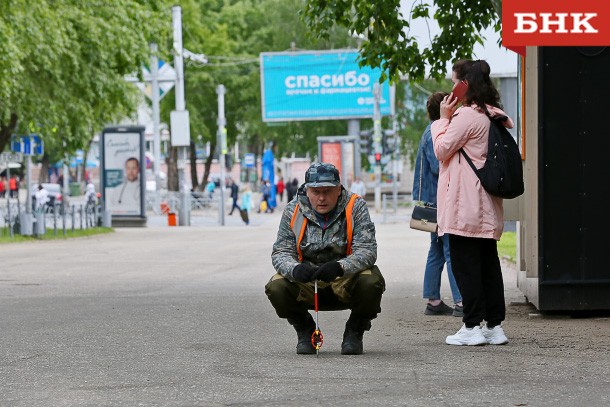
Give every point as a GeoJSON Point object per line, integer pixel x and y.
{"type": "Point", "coordinates": [388, 44]}
{"type": "Point", "coordinates": [63, 62]}
{"type": "Point", "coordinates": [232, 34]}
{"type": "Point", "coordinates": [274, 25]}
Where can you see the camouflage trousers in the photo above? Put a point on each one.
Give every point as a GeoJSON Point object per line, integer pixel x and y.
{"type": "Point", "coordinates": [360, 292]}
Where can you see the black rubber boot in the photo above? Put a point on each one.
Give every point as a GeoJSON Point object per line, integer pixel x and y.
{"type": "Point", "coordinates": [352, 337]}
{"type": "Point", "coordinates": [304, 328]}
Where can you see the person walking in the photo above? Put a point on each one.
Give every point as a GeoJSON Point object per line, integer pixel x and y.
{"type": "Point", "coordinates": [425, 183]}
{"type": "Point", "coordinates": [280, 189]}
{"type": "Point", "coordinates": [246, 204]}
{"type": "Point", "coordinates": [234, 196]}
{"type": "Point", "coordinates": [471, 217]}
{"type": "Point", "coordinates": [326, 234]}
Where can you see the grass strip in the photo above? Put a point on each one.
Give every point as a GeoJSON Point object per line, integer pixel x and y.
{"type": "Point", "coordinates": [50, 234]}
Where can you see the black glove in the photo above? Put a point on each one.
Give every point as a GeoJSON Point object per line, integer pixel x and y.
{"type": "Point", "coordinates": [303, 272]}
{"type": "Point", "coordinates": [329, 271]}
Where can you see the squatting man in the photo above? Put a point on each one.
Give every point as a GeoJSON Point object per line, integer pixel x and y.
{"type": "Point", "coordinates": [326, 234]}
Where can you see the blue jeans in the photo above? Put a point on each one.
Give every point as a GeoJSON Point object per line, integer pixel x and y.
{"type": "Point", "coordinates": [437, 256]}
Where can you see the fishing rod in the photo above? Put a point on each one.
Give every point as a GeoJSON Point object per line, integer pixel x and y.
{"type": "Point", "coordinates": [317, 339]}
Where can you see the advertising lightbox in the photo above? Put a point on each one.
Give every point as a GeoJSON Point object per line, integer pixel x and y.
{"type": "Point", "coordinates": [319, 85]}
{"type": "Point", "coordinates": [123, 177]}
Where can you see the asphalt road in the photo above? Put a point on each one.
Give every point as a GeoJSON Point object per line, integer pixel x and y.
{"type": "Point", "coordinates": [165, 316]}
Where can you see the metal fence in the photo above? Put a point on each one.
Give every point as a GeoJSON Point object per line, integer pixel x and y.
{"type": "Point", "coordinates": [60, 218]}
{"type": "Point", "coordinates": [170, 200]}
{"type": "Point", "coordinates": [79, 214]}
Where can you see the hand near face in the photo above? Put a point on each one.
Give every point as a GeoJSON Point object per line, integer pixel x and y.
{"type": "Point", "coordinates": [448, 106]}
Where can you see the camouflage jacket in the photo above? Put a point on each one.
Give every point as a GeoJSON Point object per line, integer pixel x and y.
{"type": "Point", "coordinates": [320, 246]}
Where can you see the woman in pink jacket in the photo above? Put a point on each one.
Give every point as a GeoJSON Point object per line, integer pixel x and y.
{"type": "Point", "coordinates": [472, 218]}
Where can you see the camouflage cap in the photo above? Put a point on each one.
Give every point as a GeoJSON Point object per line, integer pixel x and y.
{"type": "Point", "coordinates": [322, 175]}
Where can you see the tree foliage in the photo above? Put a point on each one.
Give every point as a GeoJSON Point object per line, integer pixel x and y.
{"type": "Point", "coordinates": [232, 34]}
{"type": "Point", "coordinates": [387, 42]}
{"type": "Point", "coordinates": [63, 62]}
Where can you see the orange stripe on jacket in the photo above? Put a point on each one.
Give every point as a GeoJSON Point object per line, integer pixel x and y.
{"type": "Point", "coordinates": [297, 216]}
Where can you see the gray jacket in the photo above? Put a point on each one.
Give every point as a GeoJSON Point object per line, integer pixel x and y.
{"type": "Point", "coordinates": [320, 246]}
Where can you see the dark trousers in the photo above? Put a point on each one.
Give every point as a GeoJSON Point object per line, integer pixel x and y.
{"type": "Point", "coordinates": [476, 267]}
{"type": "Point", "coordinates": [364, 289]}
{"type": "Point", "coordinates": [235, 206]}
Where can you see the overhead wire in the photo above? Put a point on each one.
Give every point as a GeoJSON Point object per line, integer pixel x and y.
{"type": "Point", "coordinates": [232, 61]}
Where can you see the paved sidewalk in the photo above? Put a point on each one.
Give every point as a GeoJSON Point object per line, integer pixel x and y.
{"type": "Point", "coordinates": [164, 316]}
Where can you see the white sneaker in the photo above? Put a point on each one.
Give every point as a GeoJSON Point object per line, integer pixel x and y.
{"type": "Point", "coordinates": [495, 336]}
{"type": "Point", "coordinates": [467, 336]}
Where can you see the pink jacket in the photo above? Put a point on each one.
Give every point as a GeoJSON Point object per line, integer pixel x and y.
{"type": "Point", "coordinates": [464, 207]}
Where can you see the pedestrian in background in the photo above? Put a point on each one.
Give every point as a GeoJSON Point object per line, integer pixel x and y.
{"type": "Point", "coordinates": [358, 187]}
{"type": "Point", "coordinates": [13, 186]}
{"type": "Point", "coordinates": [234, 195]}
{"type": "Point", "coordinates": [291, 189]}
{"type": "Point", "coordinates": [209, 188]}
{"type": "Point", "coordinates": [2, 186]}
{"type": "Point", "coordinates": [42, 197]}
{"type": "Point", "coordinates": [90, 196]}
{"type": "Point", "coordinates": [246, 204]}
{"type": "Point", "coordinates": [265, 195]}
{"type": "Point", "coordinates": [471, 217]}
{"type": "Point", "coordinates": [425, 181]}
{"type": "Point", "coordinates": [280, 189]}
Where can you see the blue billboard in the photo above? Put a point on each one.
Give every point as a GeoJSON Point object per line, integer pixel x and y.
{"type": "Point", "coordinates": [319, 85]}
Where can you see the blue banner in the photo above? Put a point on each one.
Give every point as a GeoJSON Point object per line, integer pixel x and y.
{"type": "Point", "coordinates": [320, 85]}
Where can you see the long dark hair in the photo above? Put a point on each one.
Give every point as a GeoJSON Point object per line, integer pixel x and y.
{"type": "Point", "coordinates": [481, 90]}
{"type": "Point", "coordinates": [461, 68]}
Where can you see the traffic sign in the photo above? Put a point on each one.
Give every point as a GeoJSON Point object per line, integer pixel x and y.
{"type": "Point", "coordinates": [16, 144]}
{"type": "Point", "coordinates": [28, 145]}
{"type": "Point", "coordinates": [249, 160]}
{"type": "Point", "coordinates": [10, 157]}
{"type": "Point", "coordinates": [166, 77]}
{"type": "Point", "coordinates": [38, 144]}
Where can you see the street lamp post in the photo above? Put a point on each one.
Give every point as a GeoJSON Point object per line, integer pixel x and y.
{"type": "Point", "coordinates": [221, 140]}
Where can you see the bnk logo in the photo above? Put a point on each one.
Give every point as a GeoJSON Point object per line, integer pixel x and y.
{"type": "Point", "coordinates": [555, 23]}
